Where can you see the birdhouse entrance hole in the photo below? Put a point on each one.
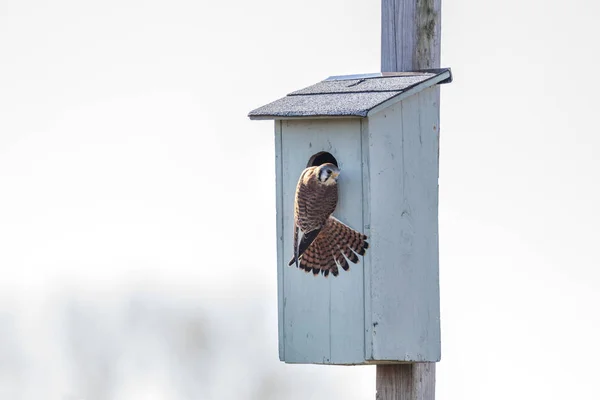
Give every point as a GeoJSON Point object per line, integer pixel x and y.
{"type": "Point", "coordinates": [321, 158]}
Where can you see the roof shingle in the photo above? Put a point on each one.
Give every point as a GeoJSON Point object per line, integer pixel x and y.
{"type": "Point", "coordinates": [349, 96]}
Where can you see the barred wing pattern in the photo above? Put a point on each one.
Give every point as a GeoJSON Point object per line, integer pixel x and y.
{"type": "Point", "coordinates": [321, 242]}
{"type": "Point", "coordinates": [335, 245]}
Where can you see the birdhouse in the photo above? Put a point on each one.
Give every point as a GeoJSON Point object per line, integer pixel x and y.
{"type": "Point", "coordinates": [382, 131]}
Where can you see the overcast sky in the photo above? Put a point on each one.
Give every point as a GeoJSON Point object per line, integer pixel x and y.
{"type": "Point", "coordinates": [137, 201]}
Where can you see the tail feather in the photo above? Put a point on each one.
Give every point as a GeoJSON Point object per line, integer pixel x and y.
{"type": "Point", "coordinates": [307, 261]}
{"type": "Point", "coordinates": [318, 258]}
{"type": "Point", "coordinates": [334, 246]}
{"type": "Point", "coordinates": [350, 255]}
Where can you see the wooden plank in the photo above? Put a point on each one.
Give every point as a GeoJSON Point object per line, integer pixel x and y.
{"type": "Point", "coordinates": [323, 317]}
{"type": "Point", "coordinates": [347, 293]}
{"type": "Point", "coordinates": [404, 299]}
{"type": "Point", "coordinates": [366, 178]}
{"type": "Point", "coordinates": [406, 381]}
{"type": "Point", "coordinates": [279, 230]}
{"type": "Point", "coordinates": [410, 34]}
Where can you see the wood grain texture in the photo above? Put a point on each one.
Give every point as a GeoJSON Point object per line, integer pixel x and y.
{"type": "Point", "coordinates": [410, 34]}
{"type": "Point", "coordinates": [323, 318]}
{"type": "Point", "coordinates": [404, 288]}
{"type": "Point", "coordinates": [414, 304]}
{"type": "Point", "coordinates": [279, 230]}
{"type": "Point", "coordinates": [366, 177]}
{"type": "Point", "coordinates": [406, 381]}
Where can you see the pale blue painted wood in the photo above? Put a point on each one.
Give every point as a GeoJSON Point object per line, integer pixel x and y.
{"type": "Point", "coordinates": [347, 296]}
{"type": "Point", "coordinates": [279, 231]}
{"type": "Point", "coordinates": [367, 260]}
{"type": "Point", "coordinates": [323, 318]}
{"type": "Point", "coordinates": [429, 116]}
{"type": "Point", "coordinates": [404, 298]}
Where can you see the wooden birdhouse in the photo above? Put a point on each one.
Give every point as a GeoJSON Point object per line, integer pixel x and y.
{"type": "Point", "coordinates": [382, 130]}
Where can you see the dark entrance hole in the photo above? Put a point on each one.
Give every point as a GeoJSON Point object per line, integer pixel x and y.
{"type": "Point", "coordinates": [321, 158]}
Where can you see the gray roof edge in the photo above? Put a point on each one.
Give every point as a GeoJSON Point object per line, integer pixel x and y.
{"type": "Point", "coordinates": [379, 75]}
{"type": "Point", "coordinates": [444, 77]}
{"type": "Point", "coordinates": [271, 117]}
{"type": "Point", "coordinates": [437, 72]}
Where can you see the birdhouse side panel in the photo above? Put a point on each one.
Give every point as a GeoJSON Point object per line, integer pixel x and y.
{"type": "Point", "coordinates": [279, 231]}
{"type": "Point", "coordinates": [403, 297]}
{"type": "Point", "coordinates": [322, 318]}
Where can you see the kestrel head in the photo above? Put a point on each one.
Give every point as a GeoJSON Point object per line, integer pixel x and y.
{"type": "Point", "coordinates": [328, 173]}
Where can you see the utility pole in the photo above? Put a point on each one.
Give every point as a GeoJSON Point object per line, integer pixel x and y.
{"type": "Point", "coordinates": [410, 40]}
{"type": "Point", "coordinates": [410, 34]}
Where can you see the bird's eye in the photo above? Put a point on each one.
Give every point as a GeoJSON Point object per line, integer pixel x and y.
{"type": "Point", "coordinates": [329, 172]}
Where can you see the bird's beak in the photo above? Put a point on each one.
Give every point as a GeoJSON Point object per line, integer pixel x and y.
{"type": "Point", "coordinates": [335, 175]}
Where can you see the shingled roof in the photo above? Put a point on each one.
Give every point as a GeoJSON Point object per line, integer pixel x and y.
{"type": "Point", "coordinates": [351, 95]}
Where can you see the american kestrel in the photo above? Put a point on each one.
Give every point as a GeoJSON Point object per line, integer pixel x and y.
{"type": "Point", "coordinates": [322, 242]}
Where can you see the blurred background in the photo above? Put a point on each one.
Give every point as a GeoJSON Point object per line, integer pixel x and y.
{"type": "Point", "coordinates": [137, 212]}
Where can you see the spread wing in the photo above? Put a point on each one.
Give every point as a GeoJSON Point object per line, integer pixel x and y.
{"type": "Point", "coordinates": [336, 244]}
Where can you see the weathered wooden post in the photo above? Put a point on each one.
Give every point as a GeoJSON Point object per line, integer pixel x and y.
{"type": "Point", "coordinates": [410, 40]}
{"type": "Point", "coordinates": [381, 130]}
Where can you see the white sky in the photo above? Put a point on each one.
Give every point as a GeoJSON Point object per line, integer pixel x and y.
{"type": "Point", "coordinates": [137, 199]}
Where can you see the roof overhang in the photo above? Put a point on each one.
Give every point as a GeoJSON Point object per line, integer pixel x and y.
{"type": "Point", "coordinates": [351, 96]}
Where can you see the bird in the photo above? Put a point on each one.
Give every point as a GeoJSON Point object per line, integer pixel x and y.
{"type": "Point", "coordinates": [321, 241]}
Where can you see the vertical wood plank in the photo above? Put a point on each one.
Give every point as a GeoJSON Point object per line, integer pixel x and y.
{"type": "Point", "coordinates": [410, 34]}
{"type": "Point", "coordinates": [404, 300]}
{"type": "Point", "coordinates": [279, 230]}
{"type": "Point", "coordinates": [366, 210]}
{"type": "Point", "coordinates": [306, 301]}
{"type": "Point", "coordinates": [347, 295]}
{"type": "Point", "coordinates": [406, 381]}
